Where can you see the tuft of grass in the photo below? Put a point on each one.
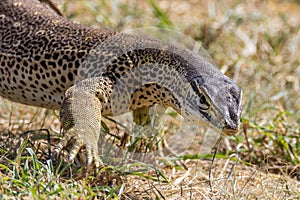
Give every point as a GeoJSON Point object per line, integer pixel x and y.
{"type": "Point", "coordinates": [275, 143]}
{"type": "Point", "coordinates": [164, 20]}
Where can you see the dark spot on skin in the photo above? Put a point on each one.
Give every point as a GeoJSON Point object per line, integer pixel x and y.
{"type": "Point", "coordinates": [16, 72]}
{"type": "Point", "coordinates": [44, 65]}
{"type": "Point", "coordinates": [47, 56]}
{"type": "Point", "coordinates": [53, 64]}
{"type": "Point", "coordinates": [25, 63]}
{"type": "Point", "coordinates": [118, 75]}
{"type": "Point", "coordinates": [35, 67]}
{"type": "Point", "coordinates": [37, 57]}
{"type": "Point", "coordinates": [121, 69]}
{"type": "Point", "coordinates": [58, 90]}
{"type": "Point", "coordinates": [70, 76]}
{"type": "Point", "coordinates": [22, 82]}
{"type": "Point", "coordinates": [65, 57]}
{"type": "Point", "coordinates": [63, 79]}
{"type": "Point", "coordinates": [44, 86]}
{"type": "Point", "coordinates": [60, 62]}
{"type": "Point", "coordinates": [55, 56]}
{"type": "Point", "coordinates": [80, 54]}
{"type": "Point", "coordinates": [32, 86]}
{"type": "Point", "coordinates": [77, 64]}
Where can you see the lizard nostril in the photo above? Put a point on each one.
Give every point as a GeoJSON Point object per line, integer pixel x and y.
{"type": "Point", "coordinates": [233, 116]}
{"type": "Point", "coordinates": [232, 121]}
{"type": "Point", "coordinates": [230, 125]}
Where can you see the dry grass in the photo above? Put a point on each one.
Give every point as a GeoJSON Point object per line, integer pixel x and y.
{"type": "Point", "coordinates": [257, 43]}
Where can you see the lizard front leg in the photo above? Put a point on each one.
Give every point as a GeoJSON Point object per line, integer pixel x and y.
{"type": "Point", "coordinates": [81, 117]}
{"type": "Point", "coordinates": [141, 115]}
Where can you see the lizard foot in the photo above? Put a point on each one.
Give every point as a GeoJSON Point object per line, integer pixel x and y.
{"type": "Point", "coordinates": [78, 140]}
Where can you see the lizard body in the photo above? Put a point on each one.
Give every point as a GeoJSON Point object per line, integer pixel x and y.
{"type": "Point", "coordinates": [87, 73]}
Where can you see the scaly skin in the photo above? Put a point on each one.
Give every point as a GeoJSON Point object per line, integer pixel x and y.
{"type": "Point", "coordinates": [48, 61]}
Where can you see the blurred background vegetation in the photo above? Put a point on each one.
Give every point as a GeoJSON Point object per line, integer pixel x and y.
{"type": "Point", "coordinates": [257, 44]}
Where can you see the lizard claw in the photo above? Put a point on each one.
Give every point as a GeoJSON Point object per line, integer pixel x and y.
{"type": "Point", "coordinates": [60, 146]}
{"type": "Point", "coordinates": [76, 144]}
{"type": "Point", "coordinates": [93, 157]}
{"type": "Point", "coordinates": [76, 147]}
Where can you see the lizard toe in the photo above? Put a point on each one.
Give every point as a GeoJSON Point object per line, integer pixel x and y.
{"type": "Point", "coordinates": [76, 147]}
{"type": "Point", "coordinates": [89, 157]}
{"type": "Point", "coordinates": [93, 157]}
{"type": "Point", "coordinates": [60, 146]}
{"type": "Point", "coordinates": [97, 160]}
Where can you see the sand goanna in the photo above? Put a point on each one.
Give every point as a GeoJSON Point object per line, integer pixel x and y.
{"type": "Point", "coordinates": [87, 73]}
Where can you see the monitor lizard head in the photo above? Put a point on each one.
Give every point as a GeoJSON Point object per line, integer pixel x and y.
{"type": "Point", "coordinates": [211, 96]}
{"type": "Point", "coordinates": [218, 102]}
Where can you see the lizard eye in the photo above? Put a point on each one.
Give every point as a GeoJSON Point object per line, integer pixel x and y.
{"type": "Point", "coordinates": [202, 99]}
{"type": "Point", "coordinates": [204, 104]}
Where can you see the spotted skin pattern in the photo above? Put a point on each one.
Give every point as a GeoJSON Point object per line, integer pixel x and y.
{"type": "Point", "coordinates": [87, 73]}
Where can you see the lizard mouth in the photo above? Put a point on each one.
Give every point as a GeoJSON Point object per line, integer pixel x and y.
{"type": "Point", "coordinates": [230, 128]}
{"type": "Point", "coordinates": [226, 127]}
{"type": "Point", "coordinates": [232, 124]}
{"type": "Point", "coordinates": [229, 131]}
